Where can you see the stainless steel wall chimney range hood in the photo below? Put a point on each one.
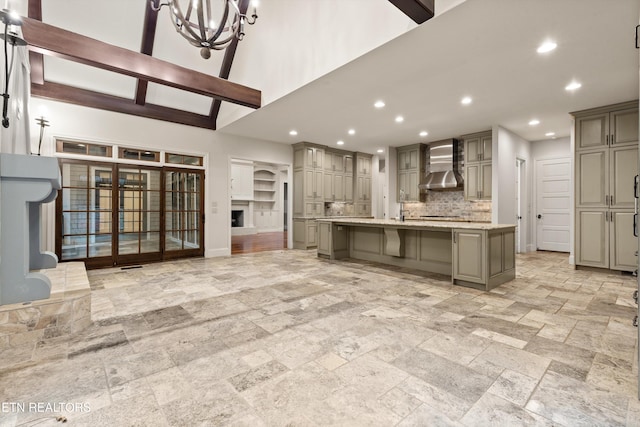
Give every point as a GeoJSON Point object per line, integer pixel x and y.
{"type": "Point", "coordinates": [443, 166]}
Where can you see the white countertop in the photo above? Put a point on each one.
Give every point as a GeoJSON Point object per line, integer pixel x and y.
{"type": "Point", "coordinates": [447, 225]}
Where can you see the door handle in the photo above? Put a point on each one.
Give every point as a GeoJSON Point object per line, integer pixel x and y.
{"type": "Point", "coordinates": [539, 216]}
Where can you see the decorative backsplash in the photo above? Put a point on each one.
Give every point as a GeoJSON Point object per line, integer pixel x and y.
{"type": "Point", "coordinates": [450, 203]}
{"type": "Point", "coordinates": [339, 209]}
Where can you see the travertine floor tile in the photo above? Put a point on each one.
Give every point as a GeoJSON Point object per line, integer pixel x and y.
{"type": "Point", "coordinates": [284, 338]}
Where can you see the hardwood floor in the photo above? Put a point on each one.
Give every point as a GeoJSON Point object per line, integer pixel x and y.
{"type": "Point", "coordinates": [258, 242]}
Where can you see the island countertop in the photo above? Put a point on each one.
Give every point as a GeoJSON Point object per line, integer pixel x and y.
{"type": "Point", "coordinates": [413, 223]}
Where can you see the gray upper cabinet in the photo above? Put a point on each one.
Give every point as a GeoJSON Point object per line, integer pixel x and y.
{"type": "Point", "coordinates": [609, 126]}
{"type": "Point", "coordinates": [477, 147]}
{"type": "Point", "coordinates": [478, 166]}
{"type": "Point", "coordinates": [411, 171]}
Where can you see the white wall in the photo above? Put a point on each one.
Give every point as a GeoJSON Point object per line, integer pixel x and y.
{"type": "Point", "coordinates": [297, 41]}
{"type": "Point", "coordinates": [507, 147]}
{"type": "Point", "coordinates": [89, 124]}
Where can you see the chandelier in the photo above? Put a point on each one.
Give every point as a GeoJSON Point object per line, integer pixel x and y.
{"type": "Point", "coordinates": [208, 24]}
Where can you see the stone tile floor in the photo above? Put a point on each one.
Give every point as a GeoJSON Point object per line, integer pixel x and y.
{"type": "Point", "coordinates": [286, 339]}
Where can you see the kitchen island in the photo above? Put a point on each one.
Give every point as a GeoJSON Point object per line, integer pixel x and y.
{"type": "Point", "coordinates": [479, 255]}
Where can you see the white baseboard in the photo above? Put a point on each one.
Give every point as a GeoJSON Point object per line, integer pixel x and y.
{"type": "Point", "coordinates": [243, 231]}
{"type": "Point", "coordinates": [572, 260]}
{"type": "Point", "coordinates": [212, 253]}
{"type": "Point", "coordinates": [531, 248]}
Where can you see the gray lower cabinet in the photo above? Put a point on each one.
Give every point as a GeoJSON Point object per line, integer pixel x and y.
{"type": "Point", "coordinates": [483, 257]}
{"type": "Point", "coordinates": [324, 238]}
{"type": "Point", "coordinates": [305, 233]}
{"type": "Point", "coordinates": [592, 237]}
{"type": "Point", "coordinates": [623, 243]}
{"type": "Point", "coordinates": [604, 239]}
{"type": "Point", "coordinates": [468, 255]}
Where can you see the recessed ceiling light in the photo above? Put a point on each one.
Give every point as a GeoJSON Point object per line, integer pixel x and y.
{"type": "Point", "coordinates": [549, 134]}
{"type": "Point", "coordinates": [293, 132]}
{"type": "Point", "coordinates": [573, 86]}
{"type": "Point", "coordinates": [380, 150]}
{"type": "Point", "coordinates": [424, 133]}
{"type": "Point", "coordinates": [352, 131]}
{"type": "Point", "coordinates": [534, 122]}
{"type": "Point", "coordinates": [340, 142]}
{"type": "Point", "coordinates": [547, 46]}
{"type": "Point", "coordinates": [399, 119]}
{"type": "Point", "coordinates": [379, 104]}
{"type": "Point", "coordinates": [466, 100]}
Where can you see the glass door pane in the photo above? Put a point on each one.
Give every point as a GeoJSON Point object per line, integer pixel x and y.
{"type": "Point", "coordinates": [138, 211]}
{"type": "Point", "coordinates": [85, 208]}
{"type": "Point", "coordinates": [183, 211]}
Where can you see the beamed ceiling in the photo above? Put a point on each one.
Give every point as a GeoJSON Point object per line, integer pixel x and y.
{"type": "Point", "coordinates": [54, 43]}
{"type": "Point", "coordinates": [135, 80]}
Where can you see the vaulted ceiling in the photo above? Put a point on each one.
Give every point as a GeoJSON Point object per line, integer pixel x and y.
{"type": "Point", "coordinates": [60, 58]}
{"type": "Point", "coordinates": [124, 56]}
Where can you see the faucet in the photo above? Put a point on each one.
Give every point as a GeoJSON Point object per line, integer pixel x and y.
{"type": "Point", "coordinates": [402, 211]}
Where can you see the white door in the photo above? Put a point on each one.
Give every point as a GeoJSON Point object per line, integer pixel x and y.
{"type": "Point", "coordinates": [520, 209]}
{"type": "Point", "coordinates": [553, 190]}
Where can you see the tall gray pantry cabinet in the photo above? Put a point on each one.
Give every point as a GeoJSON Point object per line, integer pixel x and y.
{"type": "Point", "coordinates": [606, 162]}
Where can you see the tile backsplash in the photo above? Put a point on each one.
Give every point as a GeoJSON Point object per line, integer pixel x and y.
{"type": "Point", "coordinates": [450, 203]}
{"type": "Point", "coordinates": [339, 209]}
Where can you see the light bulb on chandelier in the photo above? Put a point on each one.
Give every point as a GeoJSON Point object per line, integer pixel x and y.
{"type": "Point", "coordinates": [209, 24]}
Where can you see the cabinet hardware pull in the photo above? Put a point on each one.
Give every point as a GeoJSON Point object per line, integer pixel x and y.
{"type": "Point", "coordinates": [612, 202]}
{"type": "Point", "coordinates": [607, 139]}
{"type": "Point", "coordinates": [606, 216]}
{"type": "Point", "coordinates": [606, 200]}
{"type": "Point", "coordinates": [612, 217]}
{"type": "Point", "coordinates": [613, 140]}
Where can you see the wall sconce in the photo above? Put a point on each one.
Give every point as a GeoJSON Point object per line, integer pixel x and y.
{"type": "Point", "coordinates": [43, 124]}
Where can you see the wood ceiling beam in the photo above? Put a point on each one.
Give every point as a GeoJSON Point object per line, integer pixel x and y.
{"type": "Point", "coordinates": [227, 61]}
{"type": "Point", "coordinates": [87, 98]}
{"type": "Point", "coordinates": [418, 10]}
{"type": "Point", "coordinates": [50, 40]}
{"type": "Point", "coordinates": [146, 48]}
{"type": "Point", "coordinates": [36, 60]}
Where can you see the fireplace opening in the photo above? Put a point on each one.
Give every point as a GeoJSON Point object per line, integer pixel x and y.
{"type": "Point", "coordinates": [237, 218]}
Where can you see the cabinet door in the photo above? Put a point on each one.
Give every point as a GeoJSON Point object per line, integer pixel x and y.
{"type": "Point", "coordinates": [328, 161]}
{"type": "Point", "coordinates": [486, 144]}
{"type": "Point", "coordinates": [299, 190]}
{"type": "Point", "coordinates": [318, 158]}
{"type": "Point", "coordinates": [472, 182]}
{"type": "Point", "coordinates": [408, 159]}
{"type": "Point", "coordinates": [472, 150]}
{"type": "Point", "coordinates": [592, 238]}
{"type": "Point", "coordinates": [310, 187]}
{"type": "Point", "coordinates": [592, 178]}
{"type": "Point", "coordinates": [318, 184]}
{"type": "Point", "coordinates": [592, 131]}
{"type": "Point", "coordinates": [623, 168]}
{"type": "Point", "coordinates": [624, 127]}
{"type": "Point", "coordinates": [324, 238]}
{"type": "Point", "coordinates": [312, 233]}
{"type": "Point", "coordinates": [367, 188]}
{"type": "Point", "coordinates": [408, 181]}
{"type": "Point", "coordinates": [338, 187]}
{"type": "Point", "coordinates": [360, 188]}
{"type": "Point", "coordinates": [348, 188]}
{"type": "Point", "coordinates": [486, 170]}
{"type": "Point", "coordinates": [364, 165]}
{"type": "Point", "coordinates": [348, 164]}
{"type": "Point", "coordinates": [468, 257]}
{"type": "Point", "coordinates": [623, 244]}
{"type": "Point", "coordinates": [329, 190]}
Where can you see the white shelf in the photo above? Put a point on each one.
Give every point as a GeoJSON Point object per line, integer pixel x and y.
{"type": "Point", "coordinates": [264, 180]}
{"type": "Point", "coordinates": [266, 191]}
